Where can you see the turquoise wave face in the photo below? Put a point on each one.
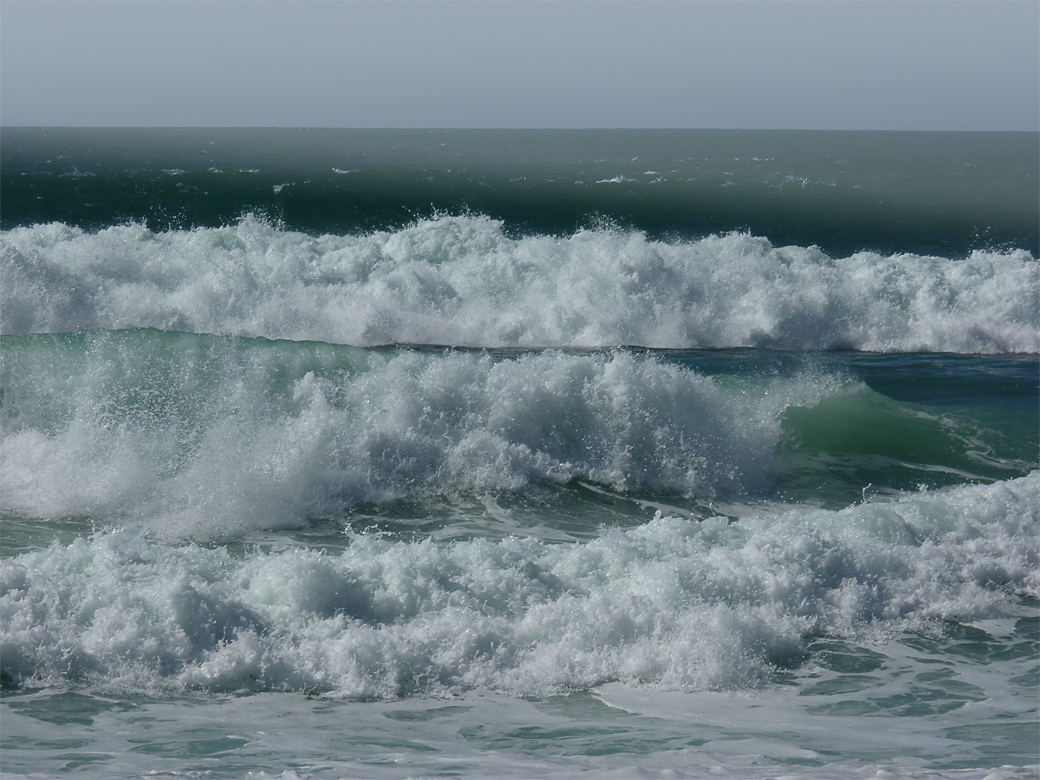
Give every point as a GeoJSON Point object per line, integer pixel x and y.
{"type": "Point", "coordinates": [866, 439]}
{"type": "Point", "coordinates": [216, 435]}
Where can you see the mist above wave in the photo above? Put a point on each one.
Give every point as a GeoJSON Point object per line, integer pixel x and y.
{"type": "Point", "coordinates": [200, 436]}
{"type": "Point", "coordinates": [464, 281]}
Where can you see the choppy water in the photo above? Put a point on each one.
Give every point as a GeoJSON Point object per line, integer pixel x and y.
{"type": "Point", "coordinates": [398, 454]}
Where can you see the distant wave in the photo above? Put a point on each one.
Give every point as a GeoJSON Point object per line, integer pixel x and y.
{"type": "Point", "coordinates": [463, 281]}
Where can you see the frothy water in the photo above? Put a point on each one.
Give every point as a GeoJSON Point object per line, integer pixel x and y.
{"type": "Point", "coordinates": [463, 281]}
{"type": "Point", "coordinates": [676, 604]}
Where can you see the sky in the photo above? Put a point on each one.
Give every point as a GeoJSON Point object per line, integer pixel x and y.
{"type": "Point", "coordinates": [768, 64]}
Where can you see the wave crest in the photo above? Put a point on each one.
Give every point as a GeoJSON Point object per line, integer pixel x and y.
{"type": "Point", "coordinates": [461, 280]}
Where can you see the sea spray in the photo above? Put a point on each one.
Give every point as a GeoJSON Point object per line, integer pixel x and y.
{"type": "Point", "coordinates": [207, 434]}
{"type": "Point", "coordinates": [461, 280]}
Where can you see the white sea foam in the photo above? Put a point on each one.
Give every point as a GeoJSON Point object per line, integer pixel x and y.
{"type": "Point", "coordinates": [674, 604]}
{"type": "Point", "coordinates": [194, 454]}
{"type": "Point", "coordinates": [463, 281]}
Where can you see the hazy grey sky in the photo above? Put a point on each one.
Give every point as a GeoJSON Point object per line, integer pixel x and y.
{"type": "Point", "coordinates": [830, 64]}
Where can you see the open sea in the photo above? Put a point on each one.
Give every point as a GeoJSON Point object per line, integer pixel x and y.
{"type": "Point", "coordinates": [519, 454]}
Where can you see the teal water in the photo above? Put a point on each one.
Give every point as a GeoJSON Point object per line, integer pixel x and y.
{"type": "Point", "coordinates": [935, 193]}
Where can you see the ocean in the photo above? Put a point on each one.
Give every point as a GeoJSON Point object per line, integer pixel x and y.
{"type": "Point", "coordinates": [519, 454]}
